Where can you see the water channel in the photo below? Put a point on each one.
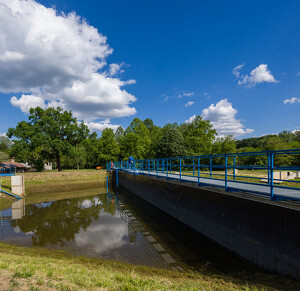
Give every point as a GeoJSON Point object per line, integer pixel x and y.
{"type": "Point", "coordinates": [118, 226]}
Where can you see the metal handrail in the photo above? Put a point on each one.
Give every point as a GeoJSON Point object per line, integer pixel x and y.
{"type": "Point", "coordinates": [7, 170]}
{"type": "Point", "coordinates": [193, 166]}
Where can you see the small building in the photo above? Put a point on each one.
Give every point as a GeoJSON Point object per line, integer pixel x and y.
{"type": "Point", "coordinates": [19, 168]}
{"type": "Point", "coordinates": [47, 166]}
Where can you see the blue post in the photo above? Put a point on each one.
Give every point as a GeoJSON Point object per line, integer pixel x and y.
{"type": "Point", "coordinates": [225, 172]}
{"type": "Point", "coordinates": [107, 184]}
{"type": "Point", "coordinates": [180, 168]}
{"type": "Point", "coordinates": [234, 168]}
{"type": "Point", "coordinates": [193, 167]}
{"type": "Point", "coordinates": [170, 166]}
{"type": "Point", "coordinates": [117, 179]}
{"type": "Point", "coordinates": [149, 166]}
{"type": "Point", "coordinates": [142, 167]}
{"type": "Point", "coordinates": [167, 168]}
{"type": "Point", "coordinates": [269, 169]}
{"type": "Point", "coordinates": [198, 171]}
{"type": "Point", "coordinates": [271, 172]}
{"type": "Point", "coordinates": [210, 167]}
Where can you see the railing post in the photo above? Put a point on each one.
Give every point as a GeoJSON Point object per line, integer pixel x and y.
{"type": "Point", "coordinates": [107, 183]}
{"type": "Point", "coordinates": [143, 167]}
{"type": "Point", "coordinates": [225, 172]}
{"type": "Point", "coordinates": [167, 174]}
{"type": "Point", "coordinates": [117, 179]}
{"type": "Point", "coordinates": [234, 168]}
{"type": "Point", "coordinates": [210, 167]}
{"type": "Point", "coordinates": [271, 172]}
{"type": "Point", "coordinates": [198, 171]}
{"type": "Point", "coordinates": [269, 168]}
{"type": "Point", "coordinates": [193, 167]}
{"type": "Point", "coordinates": [170, 166]}
{"type": "Point", "coordinates": [180, 169]}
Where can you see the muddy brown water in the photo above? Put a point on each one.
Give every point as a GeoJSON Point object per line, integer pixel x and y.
{"type": "Point", "coordinates": [118, 226]}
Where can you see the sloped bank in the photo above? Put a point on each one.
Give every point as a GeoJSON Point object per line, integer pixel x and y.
{"type": "Point", "coordinates": [263, 232]}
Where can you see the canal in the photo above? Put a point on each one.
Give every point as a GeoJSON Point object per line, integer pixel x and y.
{"type": "Point", "coordinates": [118, 226]}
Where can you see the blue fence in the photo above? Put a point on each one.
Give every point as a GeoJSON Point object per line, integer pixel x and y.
{"type": "Point", "coordinates": [273, 173]}
{"type": "Point", "coordinates": [7, 170]}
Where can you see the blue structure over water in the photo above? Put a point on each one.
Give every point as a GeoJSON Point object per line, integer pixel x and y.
{"type": "Point", "coordinates": [7, 170]}
{"type": "Point", "coordinates": [272, 173]}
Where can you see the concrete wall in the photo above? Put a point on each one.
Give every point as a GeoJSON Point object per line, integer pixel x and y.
{"type": "Point", "coordinates": [263, 232]}
{"type": "Point", "coordinates": [18, 185]}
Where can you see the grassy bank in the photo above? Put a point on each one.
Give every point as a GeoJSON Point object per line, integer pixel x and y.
{"type": "Point", "coordinates": [39, 269]}
{"type": "Point", "coordinates": [4, 202]}
{"type": "Point", "coordinates": [46, 186]}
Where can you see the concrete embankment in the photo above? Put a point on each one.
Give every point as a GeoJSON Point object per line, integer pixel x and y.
{"type": "Point", "coordinates": [263, 232]}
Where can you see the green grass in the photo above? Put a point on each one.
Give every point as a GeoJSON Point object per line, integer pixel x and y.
{"type": "Point", "coordinates": [46, 186]}
{"type": "Point", "coordinates": [4, 203]}
{"type": "Point", "coordinates": [251, 177]}
{"type": "Point", "coordinates": [27, 268]}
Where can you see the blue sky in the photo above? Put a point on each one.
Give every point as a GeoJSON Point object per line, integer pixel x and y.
{"type": "Point", "coordinates": [171, 60]}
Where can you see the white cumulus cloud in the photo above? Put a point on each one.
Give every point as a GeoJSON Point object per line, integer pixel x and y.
{"type": "Point", "coordinates": [115, 69]}
{"type": "Point", "coordinates": [258, 75]}
{"type": "Point", "coordinates": [2, 134]}
{"type": "Point", "coordinates": [292, 100]}
{"type": "Point", "coordinates": [25, 102]}
{"type": "Point", "coordinates": [189, 103]}
{"type": "Point", "coordinates": [222, 117]}
{"type": "Point", "coordinates": [191, 119]}
{"type": "Point", "coordinates": [58, 59]}
{"type": "Point", "coordinates": [100, 126]}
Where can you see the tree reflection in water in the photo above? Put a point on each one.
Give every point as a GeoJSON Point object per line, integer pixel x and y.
{"type": "Point", "coordinates": [59, 221]}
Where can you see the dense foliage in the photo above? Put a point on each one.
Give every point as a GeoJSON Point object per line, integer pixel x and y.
{"type": "Point", "coordinates": [55, 135]}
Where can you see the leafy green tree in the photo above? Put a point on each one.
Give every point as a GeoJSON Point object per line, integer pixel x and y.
{"type": "Point", "coordinates": [259, 160]}
{"type": "Point", "coordinates": [136, 141]}
{"type": "Point", "coordinates": [76, 158]}
{"type": "Point", "coordinates": [199, 136]}
{"type": "Point", "coordinates": [119, 134]}
{"type": "Point", "coordinates": [49, 133]}
{"type": "Point", "coordinates": [155, 136]}
{"type": "Point", "coordinates": [5, 144]}
{"type": "Point", "coordinates": [224, 145]}
{"type": "Point", "coordinates": [4, 157]}
{"type": "Point", "coordinates": [109, 148]}
{"type": "Point", "coordinates": [287, 136]}
{"type": "Point", "coordinates": [92, 150]}
{"type": "Point", "coordinates": [171, 144]}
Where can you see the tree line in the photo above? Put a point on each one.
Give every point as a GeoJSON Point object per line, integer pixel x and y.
{"type": "Point", "coordinates": [54, 135]}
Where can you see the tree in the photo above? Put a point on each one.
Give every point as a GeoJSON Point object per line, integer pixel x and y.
{"type": "Point", "coordinates": [49, 133]}
{"type": "Point", "coordinates": [171, 144]}
{"type": "Point", "coordinates": [5, 144]}
{"type": "Point", "coordinates": [136, 141]}
{"type": "Point", "coordinates": [109, 149]}
{"type": "Point", "coordinates": [3, 157]}
{"type": "Point", "coordinates": [76, 158]}
{"type": "Point", "coordinates": [92, 150]}
{"type": "Point", "coordinates": [155, 136]}
{"type": "Point", "coordinates": [199, 136]}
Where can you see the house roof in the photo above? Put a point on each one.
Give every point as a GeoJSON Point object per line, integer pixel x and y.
{"type": "Point", "coordinates": [17, 165]}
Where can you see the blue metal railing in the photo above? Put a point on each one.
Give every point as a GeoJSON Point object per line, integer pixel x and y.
{"type": "Point", "coordinates": [273, 173]}
{"type": "Point", "coordinates": [7, 170]}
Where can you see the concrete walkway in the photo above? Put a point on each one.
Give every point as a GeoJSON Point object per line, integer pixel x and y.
{"type": "Point", "coordinates": [232, 185]}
